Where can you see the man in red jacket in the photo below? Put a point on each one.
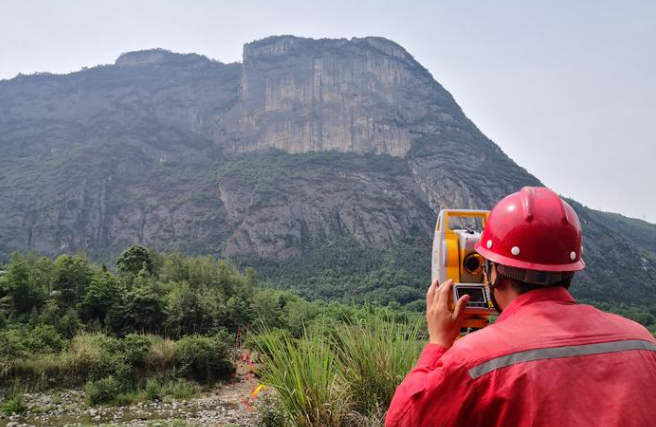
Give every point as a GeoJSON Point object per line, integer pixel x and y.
{"type": "Point", "coordinates": [547, 361]}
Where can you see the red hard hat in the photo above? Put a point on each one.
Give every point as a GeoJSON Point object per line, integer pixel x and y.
{"type": "Point", "coordinates": [533, 229]}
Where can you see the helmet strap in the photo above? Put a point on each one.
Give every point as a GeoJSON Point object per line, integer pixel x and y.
{"type": "Point", "coordinates": [495, 304]}
{"type": "Point", "coordinates": [492, 286]}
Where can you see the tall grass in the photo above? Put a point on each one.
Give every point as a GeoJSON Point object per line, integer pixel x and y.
{"type": "Point", "coordinates": [305, 376]}
{"type": "Point", "coordinates": [375, 354]}
{"type": "Point", "coordinates": [13, 402]}
{"type": "Point", "coordinates": [342, 376]}
{"type": "Point", "coordinates": [162, 353]}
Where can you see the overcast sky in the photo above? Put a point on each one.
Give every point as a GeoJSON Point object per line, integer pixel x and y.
{"type": "Point", "coordinates": [566, 88]}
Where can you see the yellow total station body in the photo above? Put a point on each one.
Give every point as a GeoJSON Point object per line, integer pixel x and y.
{"type": "Point", "coordinates": [454, 257]}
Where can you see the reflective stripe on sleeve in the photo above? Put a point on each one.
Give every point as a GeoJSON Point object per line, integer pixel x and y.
{"type": "Point", "coordinates": [557, 352]}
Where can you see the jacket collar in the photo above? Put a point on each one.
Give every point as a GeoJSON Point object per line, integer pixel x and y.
{"type": "Point", "coordinates": [551, 293]}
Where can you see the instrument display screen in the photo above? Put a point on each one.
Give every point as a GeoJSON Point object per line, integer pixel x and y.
{"type": "Point", "coordinates": [476, 294]}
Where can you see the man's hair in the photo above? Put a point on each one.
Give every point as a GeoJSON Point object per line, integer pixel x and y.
{"type": "Point", "coordinates": [524, 281]}
{"type": "Point", "coordinates": [523, 287]}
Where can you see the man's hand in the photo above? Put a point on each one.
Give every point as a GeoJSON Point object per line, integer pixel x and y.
{"type": "Point", "coordinates": [443, 325]}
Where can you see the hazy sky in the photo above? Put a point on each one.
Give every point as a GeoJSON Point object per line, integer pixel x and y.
{"type": "Point", "coordinates": [566, 88]}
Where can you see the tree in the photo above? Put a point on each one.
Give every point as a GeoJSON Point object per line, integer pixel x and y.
{"type": "Point", "coordinates": [118, 318]}
{"type": "Point", "coordinates": [99, 298]}
{"type": "Point", "coordinates": [267, 308]}
{"type": "Point", "coordinates": [184, 314]}
{"type": "Point", "coordinates": [18, 286]}
{"type": "Point", "coordinates": [43, 274]}
{"type": "Point", "coordinates": [250, 279]}
{"type": "Point", "coordinates": [174, 268]}
{"type": "Point", "coordinates": [133, 259]}
{"type": "Point", "coordinates": [146, 309]}
{"type": "Point", "coordinates": [73, 276]}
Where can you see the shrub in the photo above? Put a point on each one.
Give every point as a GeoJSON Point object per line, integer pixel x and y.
{"type": "Point", "coordinates": [205, 359]}
{"type": "Point", "coordinates": [126, 399]}
{"type": "Point", "coordinates": [180, 389]}
{"type": "Point", "coordinates": [96, 356]}
{"type": "Point", "coordinates": [14, 405]}
{"type": "Point", "coordinates": [12, 344]}
{"type": "Point", "coordinates": [270, 412]}
{"type": "Point", "coordinates": [101, 391]}
{"type": "Point", "coordinates": [69, 323]}
{"type": "Point", "coordinates": [3, 320]}
{"type": "Point", "coordinates": [136, 348]}
{"type": "Point", "coordinates": [112, 365]}
{"type": "Point", "coordinates": [153, 390]}
{"type": "Point", "coordinates": [44, 338]}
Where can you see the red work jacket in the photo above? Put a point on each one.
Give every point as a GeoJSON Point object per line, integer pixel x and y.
{"type": "Point", "coordinates": [547, 361]}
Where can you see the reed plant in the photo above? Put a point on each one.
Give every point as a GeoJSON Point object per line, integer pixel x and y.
{"type": "Point", "coordinates": [374, 355]}
{"type": "Point", "coordinates": [344, 375]}
{"type": "Point", "coordinates": [305, 375]}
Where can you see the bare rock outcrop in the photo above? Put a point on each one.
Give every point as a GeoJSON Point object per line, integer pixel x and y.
{"type": "Point", "coordinates": [361, 95]}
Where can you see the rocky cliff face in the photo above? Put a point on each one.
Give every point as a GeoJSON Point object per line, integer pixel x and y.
{"type": "Point", "coordinates": [305, 140]}
{"type": "Point", "coordinates": [291, 200]}
{"type": "Point", "coordinates": [360, 95]}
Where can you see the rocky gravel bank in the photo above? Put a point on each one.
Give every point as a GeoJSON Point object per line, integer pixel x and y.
{"type": "Point", "coordinates": [229, 405]}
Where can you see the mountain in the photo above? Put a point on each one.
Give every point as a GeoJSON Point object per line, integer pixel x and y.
{"type": "Point", "coordinates": [307, 151]}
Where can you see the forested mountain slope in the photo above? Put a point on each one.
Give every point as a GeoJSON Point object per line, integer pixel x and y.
{"type": "Point", "coordinates": [323, 162]}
